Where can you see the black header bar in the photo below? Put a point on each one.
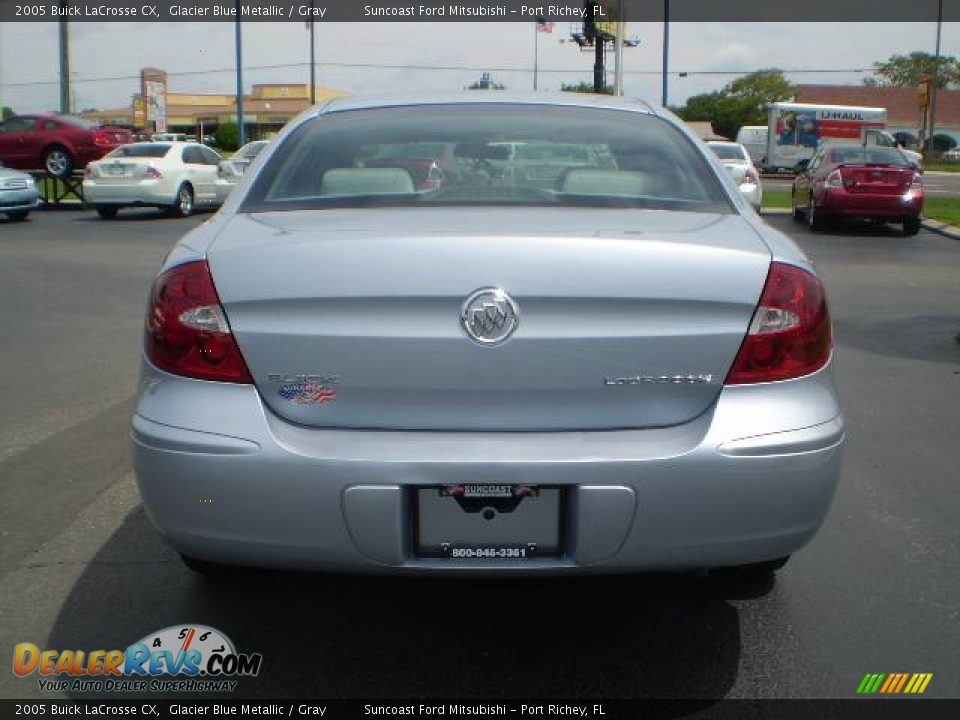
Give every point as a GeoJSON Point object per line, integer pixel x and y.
{"type": "Point", "coordinates": [474, 11]}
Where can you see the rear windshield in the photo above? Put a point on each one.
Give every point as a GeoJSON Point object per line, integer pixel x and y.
{"type": "Point", "coordinates": [868, 156]}
{"type": "Point", "coordinates": [153, 150]}
{"type": "Point", "coordinates": [250, 151]}
{"type": "Point", "coordinates": [729, 152]}
{"type": "Point", "coordinates": [487, 154]}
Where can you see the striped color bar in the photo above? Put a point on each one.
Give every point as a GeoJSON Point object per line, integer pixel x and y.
{"type": "Point", "coordinates": [894, 683]}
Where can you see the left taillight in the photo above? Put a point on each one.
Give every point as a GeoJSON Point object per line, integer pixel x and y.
{"type": "Point", "coordinates": [152, 173]}
{"type": "Point", "coordinates": [101, 138]}
{"type": "Point", "coordinates": [187, 332]}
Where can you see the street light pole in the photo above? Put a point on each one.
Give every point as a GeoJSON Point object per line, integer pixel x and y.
{"type": "Point", "coordinates": [238, 41]}
{"type": "Point", "coordinates": [666, 49]}
{"type": "Point", "coordinates": [313, 61]}
{"type": "Point", "coordinates": [64, 67]}
{"type": "Point", "coordinates": [933, 84]}
{"type": "Point", "coordinates": [536, 52]}
{"type": "Point", "coordinates": [618, 52]}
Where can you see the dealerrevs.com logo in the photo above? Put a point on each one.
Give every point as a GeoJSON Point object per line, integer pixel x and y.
{"type": "Point", "coordinates": [188, 658]}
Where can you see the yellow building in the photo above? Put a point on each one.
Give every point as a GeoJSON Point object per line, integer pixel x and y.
{"type": "Point", "coordinates": [267, 109]}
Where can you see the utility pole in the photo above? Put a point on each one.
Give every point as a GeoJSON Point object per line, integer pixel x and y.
{"type": "Point", "coordinates": [65, 105]}
{"type": "Point", "coordinates": [936, 67]}
{"type": "Point", "coordinates": [313, 61]}
{"type": "Point", "coordinates": [536, 52]}
{"type": "Point", "coordinates": [591, 32]}
{"type": "Point", "coordinates": [666, 50]}
{"type": "Point", "coordinates": [618, 55]}
{"type": "Point", "coordinates": [238, 40]}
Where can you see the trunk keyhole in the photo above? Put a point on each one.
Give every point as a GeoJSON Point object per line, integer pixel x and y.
{"type": "Point", "coordinates": [489, 514]}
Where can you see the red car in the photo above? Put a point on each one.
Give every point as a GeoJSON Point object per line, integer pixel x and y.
{"type": "Point", "coordinates": [877, 183]}
{"type": "Point", "coordinates": [56, 143]}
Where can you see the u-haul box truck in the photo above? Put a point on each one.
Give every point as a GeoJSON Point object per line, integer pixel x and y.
{"type": "Point", "coordinates": [795, 130]}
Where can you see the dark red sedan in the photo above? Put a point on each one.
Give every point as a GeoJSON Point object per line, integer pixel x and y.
{"type": "Point", "coordinates": [57, 144]}
{"type": "Point", "coordinates": [877, 183]}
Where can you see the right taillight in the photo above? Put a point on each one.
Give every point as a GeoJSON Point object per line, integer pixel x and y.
{"type": "Point", "coordinates": [834, 180]}
{"type": "Point", "coordinates": [153, 173]}
{"type": "Point", "coordinates": [187, 332]}
{"type": "Point", "coordinates": [789, 335]}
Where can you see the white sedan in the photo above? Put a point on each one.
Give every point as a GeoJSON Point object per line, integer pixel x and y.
{"type": "Point", "coordinates": [175, 176]}
{"type": "Point", "coordinates": [736, 159]}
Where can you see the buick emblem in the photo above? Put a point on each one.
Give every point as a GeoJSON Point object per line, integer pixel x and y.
{"type": "Point", "coordinates": [489, 316]}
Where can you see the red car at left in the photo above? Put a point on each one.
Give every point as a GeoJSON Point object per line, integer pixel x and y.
{"type": "Point", "coordinates": [57, 144]}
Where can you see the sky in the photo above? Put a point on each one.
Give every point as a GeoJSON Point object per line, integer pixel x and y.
{"type": "Point", "coordinates": [29, 69]}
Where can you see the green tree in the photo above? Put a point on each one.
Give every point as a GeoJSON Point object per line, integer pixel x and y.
{"type": "Point", "coordinates": [754, 92]}
{"type": "Point", "coordinates": [6, 113]}
{"type": "Point", "coordinates": [742, 102]}
{"type": "Point", "coordinates": [584, 87]}
{"type": "Point", "coordinates": [908, 70]}
{"type": "Point", "coordinates": [227, 136]}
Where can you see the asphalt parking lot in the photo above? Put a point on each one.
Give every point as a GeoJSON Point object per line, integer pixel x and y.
{"type": "Point", "coordinates": [878, 590]}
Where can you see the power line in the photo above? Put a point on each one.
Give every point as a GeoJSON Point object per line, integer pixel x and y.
{"type": "Point", "coordinates": [464, 68]}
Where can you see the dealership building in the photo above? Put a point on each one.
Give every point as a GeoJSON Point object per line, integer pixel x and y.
{"type": "Point", "coordinates": [904, 113]}
{"type": "Point", "coordinates": [265, 110]}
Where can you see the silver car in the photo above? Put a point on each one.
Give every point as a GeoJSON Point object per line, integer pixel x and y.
{"type": "Point", "coordinates": [624, 370]}
{"type": "Point", "coordinates": [18, 194]}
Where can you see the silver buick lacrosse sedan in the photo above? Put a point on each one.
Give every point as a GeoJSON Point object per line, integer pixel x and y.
{"type": "Point", "coordinates": [487, 333]}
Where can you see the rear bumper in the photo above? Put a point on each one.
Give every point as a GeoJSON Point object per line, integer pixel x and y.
{"type": "Point", "coordinates": [140, 192]}
{"type": "Point", "coordinates": [753, 194]}
{"type": "Point", "coordinates": [224, 188]}
{"type": "Point", "coordinates": [841, 202]}
{"type": "Point", "coordinates": [223, 479]}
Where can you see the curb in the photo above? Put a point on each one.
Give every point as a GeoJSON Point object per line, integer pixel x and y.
{"type": "Point", "coordinates": [950, 231]}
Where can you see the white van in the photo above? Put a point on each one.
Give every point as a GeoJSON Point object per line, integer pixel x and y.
{"type": "Point", "coordinates": [754, 139]}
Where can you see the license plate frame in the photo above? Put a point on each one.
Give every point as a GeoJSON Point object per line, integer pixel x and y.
{"type": "Point", "coordinates": [488, 522]}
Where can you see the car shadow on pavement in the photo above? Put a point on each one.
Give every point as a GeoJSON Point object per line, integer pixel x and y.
{"type": "Point", "coordinates": [862, 228]}
{"type": "Point", "coordinates": [337, 636]}
{"type": "Point", "coordinates": [143, 214]}
{"type": "Point", "coordinates": [918, 337]}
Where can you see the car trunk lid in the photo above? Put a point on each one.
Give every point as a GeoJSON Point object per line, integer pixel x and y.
{"type": "Point", "coordinates": [876, 179]}
{"type": "Point", "coordinates": [121, 170]}
{"type": "Point", "coordinates": [351, 318]}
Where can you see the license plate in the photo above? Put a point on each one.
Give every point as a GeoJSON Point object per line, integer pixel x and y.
{"type": "Point", "coordinates": [488, 521]}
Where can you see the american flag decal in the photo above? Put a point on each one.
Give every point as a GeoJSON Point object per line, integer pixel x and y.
{"type": "Point", "coordinates": [306, 393]}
